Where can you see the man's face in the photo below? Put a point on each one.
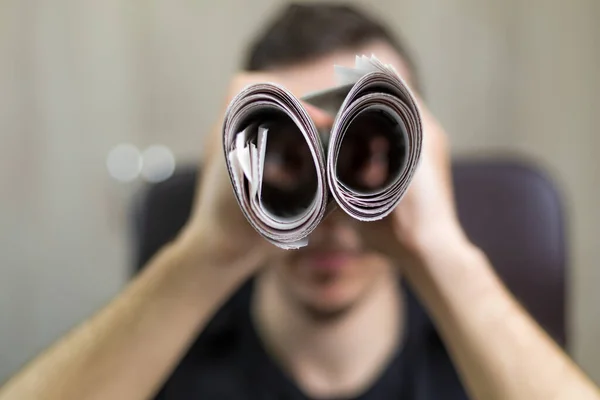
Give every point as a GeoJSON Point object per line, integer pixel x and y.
{"type": "Point", "coordinates": [335, 270]}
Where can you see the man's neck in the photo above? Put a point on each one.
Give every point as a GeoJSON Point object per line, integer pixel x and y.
{"type": "Point", "coordinates": [334, 358]}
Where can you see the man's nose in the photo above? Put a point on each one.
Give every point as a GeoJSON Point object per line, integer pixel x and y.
{"type": "Point", "coordinates": [338, 227]}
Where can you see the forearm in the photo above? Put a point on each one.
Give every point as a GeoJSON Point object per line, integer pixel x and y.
{"type": "Point", "coordinates": [129, 348]}
{"type": "Point", "coordinates": [499, 351]}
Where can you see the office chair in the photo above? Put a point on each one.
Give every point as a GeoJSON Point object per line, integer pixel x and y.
{"type": "Point", "coordinates": [509, 209]}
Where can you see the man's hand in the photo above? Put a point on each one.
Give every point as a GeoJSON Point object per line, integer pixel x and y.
{"type": "Point", "coordinates": [426, 217]}
{"type": "Point", "coordinates": [217, 223]}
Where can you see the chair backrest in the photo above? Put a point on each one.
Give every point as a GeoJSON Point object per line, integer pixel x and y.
{"type": "Point", "coordinates": [512, 211]}
{"type": "Point", "coordinates": [509, 209]}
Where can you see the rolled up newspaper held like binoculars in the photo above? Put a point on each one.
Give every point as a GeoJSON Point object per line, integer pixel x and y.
{"type": "Point", "coordinates": [286, 175]}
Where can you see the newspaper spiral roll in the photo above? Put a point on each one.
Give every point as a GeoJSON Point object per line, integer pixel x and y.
{"type": "Point", "coordinates": [253, 119]}
{"type": "Point", "coordinates": [378, 98]}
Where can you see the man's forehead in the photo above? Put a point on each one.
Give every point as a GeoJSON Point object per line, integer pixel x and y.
{"type": "Point", "coordinates": [318, 74]}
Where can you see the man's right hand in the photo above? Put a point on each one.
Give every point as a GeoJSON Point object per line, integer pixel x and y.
{"type": "Point", "coordinates": [217, 223]}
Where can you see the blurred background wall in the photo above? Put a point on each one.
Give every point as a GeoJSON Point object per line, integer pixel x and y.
{"type": "Point", "coordinates": [79, 77]}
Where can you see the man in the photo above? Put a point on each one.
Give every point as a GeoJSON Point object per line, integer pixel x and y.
{"type": "Point", "coordinates": [329, 321]}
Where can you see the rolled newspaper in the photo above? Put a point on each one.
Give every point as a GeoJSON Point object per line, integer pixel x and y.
{"type": "Point", "coordinates": [379, 113]}
{"type": "Point", "coordinates": [286, 174]}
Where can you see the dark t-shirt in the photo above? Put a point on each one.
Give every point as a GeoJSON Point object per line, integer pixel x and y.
{"type": "Point", "coordinates": [228, 361]}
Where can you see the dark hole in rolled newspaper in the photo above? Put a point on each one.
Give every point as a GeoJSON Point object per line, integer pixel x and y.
{"type": "Point", "coordinates": [289, 175]}
{"type": "Point", "coordinates": [372, 153]}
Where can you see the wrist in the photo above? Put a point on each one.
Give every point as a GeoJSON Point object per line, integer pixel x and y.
{"type": "Point", "coordinates": [447, 258]}
{"type": "Point", "coordinates": [443, 253]}
{"type": "Point", "coordinates": [212, 251]}
{"type": "Point", "coordinates": [442, 237]}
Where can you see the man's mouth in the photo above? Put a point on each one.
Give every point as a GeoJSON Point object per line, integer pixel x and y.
{"type": "Point", "coordinates": [327, 260]}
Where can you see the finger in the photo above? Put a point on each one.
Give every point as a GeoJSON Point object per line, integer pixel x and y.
{"type": "Point", "coordinates": [380, 237]}
{"type": "Point", "coordinates": [321, 118]}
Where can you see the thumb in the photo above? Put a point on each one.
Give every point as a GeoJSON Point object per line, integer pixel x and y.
{"type": "Point", "coordinates": [380, 237]}
{"type": "Point", "coordinates": [319, 117]}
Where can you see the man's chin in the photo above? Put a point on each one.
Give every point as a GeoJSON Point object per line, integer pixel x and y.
{"type": "Point", "coordinates": [326, 303]}
{"type": "Point", "coordinates": [326, 312]}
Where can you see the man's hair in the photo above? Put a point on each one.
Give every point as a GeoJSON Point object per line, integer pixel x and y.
{"type": "Point", "coordinates": [303, 32]}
